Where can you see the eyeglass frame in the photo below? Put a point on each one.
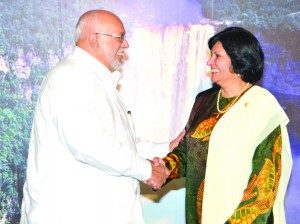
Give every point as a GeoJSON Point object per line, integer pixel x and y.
{"type": "Point", "coordinates": [121, 38]}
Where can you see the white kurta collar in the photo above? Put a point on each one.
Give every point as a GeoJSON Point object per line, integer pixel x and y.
{"type": "Point", "coordinates": [109, 78]}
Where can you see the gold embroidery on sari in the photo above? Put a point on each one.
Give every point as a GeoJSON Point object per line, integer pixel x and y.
{"type": "Point", "coordinates": [174, 162]}
{"type": "Point", "coordinates": [204, 129]}
{"type": "Point", "coordinates": [200, 201]}
{"type": "Point", "coordinates": [266, 184]}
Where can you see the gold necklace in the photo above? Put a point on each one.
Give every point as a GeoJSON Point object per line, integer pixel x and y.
{"type": "Point", "coordinates": [232, 102]}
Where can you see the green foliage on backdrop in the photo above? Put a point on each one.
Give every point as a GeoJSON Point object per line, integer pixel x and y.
{"type": "Point", "coordinates": [256, 13]}
{"type": "Point", "coordinates": [26, 41]}
{"type": "Point", "coordinates": [15, 118]}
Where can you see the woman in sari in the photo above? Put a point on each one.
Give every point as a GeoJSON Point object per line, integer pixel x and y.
{"type": "Point", "coordinates": [235, 154]}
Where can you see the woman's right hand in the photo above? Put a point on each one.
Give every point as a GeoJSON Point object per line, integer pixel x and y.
{"type": "Point", "coordinates": [175, 142]}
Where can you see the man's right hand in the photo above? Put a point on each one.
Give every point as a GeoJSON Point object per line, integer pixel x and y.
{"type": "Point", "coordinates": [159, 174]}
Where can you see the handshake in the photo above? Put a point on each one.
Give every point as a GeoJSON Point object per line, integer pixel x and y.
{"type": "Point", "coordinates": [160, 173]}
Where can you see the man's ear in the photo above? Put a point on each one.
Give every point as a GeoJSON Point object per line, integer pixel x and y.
{"type": "Point", "coordinates": [93, 41]}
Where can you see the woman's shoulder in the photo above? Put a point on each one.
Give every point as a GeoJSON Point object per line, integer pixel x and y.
{"type": "Point", "coordinates": [262, 97]}
{"type": "Point", "coordinates": [258, 91]}
{"type": "Point", "coordinates": [208, 92]}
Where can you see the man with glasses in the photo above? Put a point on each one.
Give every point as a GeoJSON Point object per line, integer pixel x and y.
{"type": "Point", "coordinates": [83, 165]}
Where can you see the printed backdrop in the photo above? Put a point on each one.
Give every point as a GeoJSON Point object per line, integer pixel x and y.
{"type": "Point", "coordinates": [159, 90]}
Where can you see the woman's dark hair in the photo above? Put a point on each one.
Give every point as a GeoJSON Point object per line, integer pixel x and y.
{"type": "Point", "coordinates": [244, 50]}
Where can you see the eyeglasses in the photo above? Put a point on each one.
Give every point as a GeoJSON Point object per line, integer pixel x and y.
{"type": "Point", "coordinates": [121, 38]}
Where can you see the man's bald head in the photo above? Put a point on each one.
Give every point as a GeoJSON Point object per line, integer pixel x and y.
{"type": "Point", "coordinates": [94, 21]}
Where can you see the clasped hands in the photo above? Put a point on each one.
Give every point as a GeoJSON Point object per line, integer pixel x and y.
{"type": "Point", "coordinates": [160, 172]}
{"type": "Point", "coordinates": [159, 175]}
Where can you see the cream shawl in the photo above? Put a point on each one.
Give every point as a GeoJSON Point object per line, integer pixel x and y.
{"type": "Point", "coordinates": [231, 148]}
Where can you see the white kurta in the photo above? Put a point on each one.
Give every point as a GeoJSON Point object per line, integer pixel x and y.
{"type": "Point", "coordinates": [231, 148]}
{"type": "Point", "coordinates": [83, 166]}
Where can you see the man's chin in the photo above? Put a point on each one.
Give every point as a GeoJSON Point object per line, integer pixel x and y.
{"type": "Point", "coordinates": [117, 64]}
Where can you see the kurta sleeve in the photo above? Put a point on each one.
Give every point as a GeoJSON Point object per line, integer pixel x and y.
{"type": "Point", "coordinates": [149, 150]}
{"type": "Point", "coordinates": [260, 194]}
{"type": "Point", "coordinates": [92, 126]}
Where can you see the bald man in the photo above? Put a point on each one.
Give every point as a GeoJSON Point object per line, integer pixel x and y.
{"type": "Point", "coordinates": [83, 165]}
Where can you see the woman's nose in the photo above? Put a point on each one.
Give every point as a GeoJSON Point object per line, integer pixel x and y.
{"type": "Point", "coordinates": [209, 62]}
